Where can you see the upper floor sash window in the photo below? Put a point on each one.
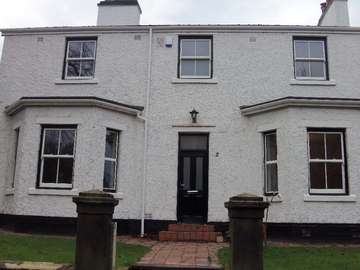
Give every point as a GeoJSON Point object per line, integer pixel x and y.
{"type": "Point", "coordinates": [195, 57]}
{"type": "Point", "coordinates": [310, 58]}
{"type": "Point", "coordinates": [80, 59]}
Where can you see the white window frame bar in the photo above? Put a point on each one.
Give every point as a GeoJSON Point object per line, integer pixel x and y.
{"type": "Point", "coordinates": [310, 60]}
{"type": "Point", "coordinates": [16, 148]}
{"type": "Point", "coordinates": [79, 59]}
{"type": "Point", "coordinates": [342, 161]}
{"type": "Point", "coordinates": [270, 162]}
{"type": "Point", "coordinates": [43, 156]}
{"type": "Point", "coordinates": [195, 57]}
{"type": "Point", "coordinates": [115, 160]}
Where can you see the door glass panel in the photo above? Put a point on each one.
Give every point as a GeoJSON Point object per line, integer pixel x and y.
{"type": "Point", "coordinates": [195, 142]}
{"type": "Point", "coordinates": [199, 173]}
{"type": "Point", "coordinates": [186, 173]}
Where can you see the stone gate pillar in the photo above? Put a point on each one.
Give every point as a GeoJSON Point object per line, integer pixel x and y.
{"type": "Point", "coordinates": [246, 213]}
{"type": "Point", "coordinates": [95, 228]}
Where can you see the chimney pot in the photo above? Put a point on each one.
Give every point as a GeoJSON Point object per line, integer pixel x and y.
{"type": "Point", "coordinates": [323, 6]}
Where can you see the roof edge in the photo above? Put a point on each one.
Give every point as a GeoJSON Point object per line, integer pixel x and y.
{"type": "Point", "coordinates": [292, 101]}
{"type": "Point", "coordinates": [203, 27]}
{"type": "Point", "coordinates": [71, 101]}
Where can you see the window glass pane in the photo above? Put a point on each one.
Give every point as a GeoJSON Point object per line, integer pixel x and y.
{"type": "Point", "coordinates": [188, 67]}
{"type": "Point", "coordinates": [73, 69]}
{"type": "Point", "coordinates": [193, 142]}
{"type": "Point", "coordinates": [203, 67]}
{"type": "Point", "coordinates": [87, 68]}
{"type": "Point", "coordinates": [317, 175]}
{"type": "Point", "coordinates": [111, 143]}
{"type": "Point", "coordinates": [271, 147]}
{"type": "Point", "coordinates": [67, 142]}
{"type": "Point", "coordinates": [271, 178]}
{"type": "Point", "coordinates": [317, 69]}
{"type": "Point", "coordinates": [74, 49]}
{"type": "Point", "coordinates": [199, 173]}
{"type": "Point", "coordinates": [88, 49]}
{"type": "Point", "coordinates": [188, 47]}
{"type": "Point", "coordinates": [51, 142]}
{"type": "Point", "coordinates": [186, 174]}
{"type": "Point", "coordinates": [317, 146]}
{"type": "Point", "coordinates": [49, 170]}
{"type": "Point", "coordinates": [109, 174]}
{"type": "Point", "coordinates": [65, 170]}
{"type": "Point", "coordinates": [334, 175]}
{"type": "Point", "coordinates": [333, 146]}
{"type": "Point", "coordinates": [301, 49]}
{"type": "Point", "coordinates": [317, 49]}
{"type": "Point", "coordinates": [302, 69]}
{"type": "Point", "coordinates": [203, 47]}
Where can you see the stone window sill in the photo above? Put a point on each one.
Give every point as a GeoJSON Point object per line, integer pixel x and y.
{"type": "Point", "coordinates": [194, 81]}
{"type": "Point", "coordinates": [312, 83]}
{"type": "Point", "coordinates": [273, 199]}
{"type": "Point", "coordinates": [53, 192]}
{"type": "Point", "coordinates": [66, 82]}
{"type": "Point", "coordinates": [9, 192]}
{"type": "Point", "coordinates": [329, 198]}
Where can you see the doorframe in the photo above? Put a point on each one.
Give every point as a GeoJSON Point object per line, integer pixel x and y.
{"type": "Point", "coordinates": [206, 185]}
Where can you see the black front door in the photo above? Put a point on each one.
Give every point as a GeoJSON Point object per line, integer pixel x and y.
{"type": "Point", "coordinates": [193, 178]}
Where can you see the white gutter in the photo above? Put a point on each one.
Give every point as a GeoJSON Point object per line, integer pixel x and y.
{"type": "Point", "coordinates": [146, 112]}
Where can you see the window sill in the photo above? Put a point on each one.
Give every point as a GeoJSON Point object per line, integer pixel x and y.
{"type": "Point", "coordinates": [85, 81]}
{"type": "Point", "coordinates": [9, 192]}
{"type": "Point", "coordinates": [273, 199]}
{"type": "Point", "coordinates": [53, 192]}
{"type": "Point", "coordinates": [329, 198]}
{"type": "Point", "coordinates": [194, 81]}
{"type": "Point", "coordinates": [313, 82]}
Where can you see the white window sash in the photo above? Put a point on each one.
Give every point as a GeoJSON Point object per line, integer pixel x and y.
{"type": "Point", "coordinates": [194, 58]}
{"type": "Point", "coordinates": [269, 162]}
{"type": "Point", "coordinates": [113, 160]}
{"type": "Point", "coordinates": [79, 59]}
{"type": "Point", "coordinates": [310, 60]}
{"type": "Point", "coordinates": [43, 156]}
{"type": "Point", "coordinates": [334, 161]}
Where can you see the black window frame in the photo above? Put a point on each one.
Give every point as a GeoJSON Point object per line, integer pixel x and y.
{"type": "Point", "coordinates": [312, 38]}
{"type": "Point", "coordinates": [205, 37]}
{"type": "Point", "coordinates": [81, 38]}
{"type": "Point", "coordinates": [264, 134]}
{"type": "Point", "coordinates": [38, 178]}
{"type": "Point", "coordinates": [346, 176]}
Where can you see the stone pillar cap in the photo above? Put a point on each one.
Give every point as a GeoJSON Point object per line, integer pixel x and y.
{"type": "Point", "coordinates": [247, 197]}
{"type": "Point", "coordinates": [246, 200]}
{"type": "Point", "coordinates": [95, 197]}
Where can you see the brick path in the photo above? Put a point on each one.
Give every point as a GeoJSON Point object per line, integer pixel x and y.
{"type": "Point", "coordinates": [183, 254]}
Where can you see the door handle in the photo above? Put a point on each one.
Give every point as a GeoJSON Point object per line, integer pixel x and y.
{"type": "Point", "coordinates": [192, 191]}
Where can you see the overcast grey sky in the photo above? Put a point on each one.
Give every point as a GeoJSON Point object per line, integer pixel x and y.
{"type": "Point", "coordinates": [32, 13]}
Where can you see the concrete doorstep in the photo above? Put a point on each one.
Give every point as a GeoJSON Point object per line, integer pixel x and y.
{"type": "Point", "coordinates": [33, 266]}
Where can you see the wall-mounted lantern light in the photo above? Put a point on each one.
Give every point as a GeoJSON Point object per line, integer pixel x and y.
{"type": "Point", "coordinates": [194, 115]}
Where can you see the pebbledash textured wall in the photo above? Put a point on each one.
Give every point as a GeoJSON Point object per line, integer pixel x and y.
{"type": "Point", "coordinates": [250, 66]}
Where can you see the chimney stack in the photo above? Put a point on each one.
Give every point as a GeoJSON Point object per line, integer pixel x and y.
{"type": "Point", "coordinates": [119, 12]}
{"type": "Point", "coordinates": [334, 13]}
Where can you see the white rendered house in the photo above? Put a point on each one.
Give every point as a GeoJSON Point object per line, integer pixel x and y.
{"type": "Point", "coordinates": [275, 111]}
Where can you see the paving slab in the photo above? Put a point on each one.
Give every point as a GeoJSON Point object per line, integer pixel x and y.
{"type": "Point", "coordinates": [181, 255]}
{"type": "Point", "coordinates": [33, 266]}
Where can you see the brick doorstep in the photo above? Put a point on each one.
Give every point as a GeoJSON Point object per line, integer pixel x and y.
{"type": "Point", "coordinates": [189, 236]}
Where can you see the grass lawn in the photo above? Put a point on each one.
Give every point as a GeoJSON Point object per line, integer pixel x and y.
{"type": "Point", "coordinates": [58, 250]}
{"type": "Point", "coordinates": [305, 258]}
